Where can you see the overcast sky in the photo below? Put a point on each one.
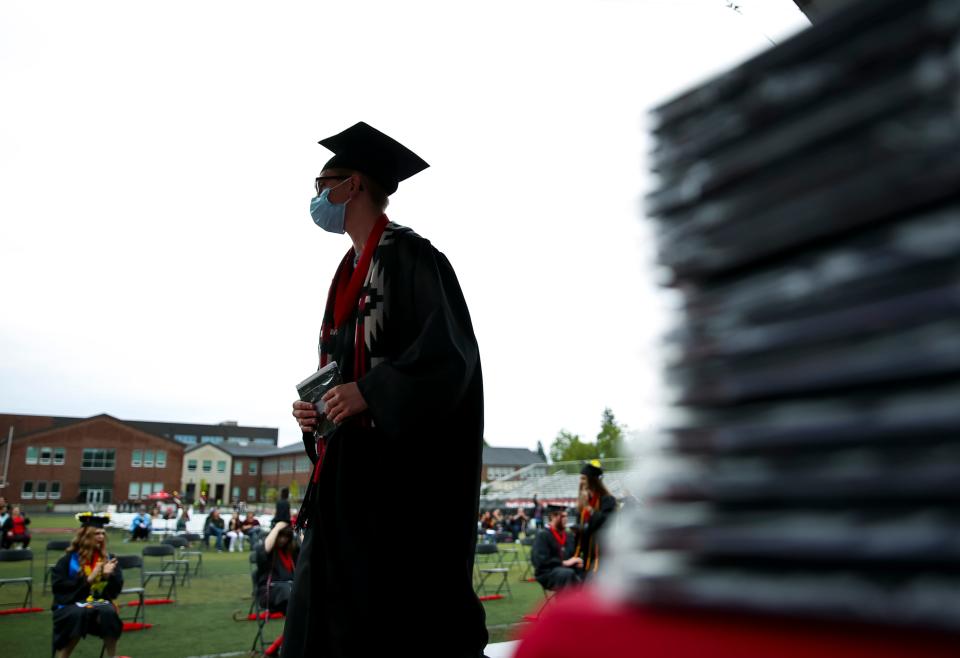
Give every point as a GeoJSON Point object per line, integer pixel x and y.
{"type": "Point", "coordinates": [157, 255]}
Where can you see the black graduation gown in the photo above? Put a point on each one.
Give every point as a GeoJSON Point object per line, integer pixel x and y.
{"type": "Point", "coordinates": [273, 579]}
{"type": "Point", "coordinates": [587, 543]}
{"type": "Point", "coordinates": [360, 588]}
{"type": "Point", "coordinates": [69, 620]}
{"type": "Point", "coordinates": [547, 554]}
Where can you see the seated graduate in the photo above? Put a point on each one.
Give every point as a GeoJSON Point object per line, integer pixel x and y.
{"type": "Point", "coordinates": [86, 580]}
{"type": "Point", "coordinates": [555, 566]}
{"type": "Point", "coordinates": [276, 560]}
{"type": "Point", "coordinates": [141, 525]}
{"type": "Point", "coordinates": [15, 529]}
{"type": "Point", "coordinates": [595, 506]}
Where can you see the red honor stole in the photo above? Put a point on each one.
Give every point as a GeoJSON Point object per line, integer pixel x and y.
{"type": "Point", "coordinates": [88, 567]}
{"type": "Point", "coordinates": [561, 538]}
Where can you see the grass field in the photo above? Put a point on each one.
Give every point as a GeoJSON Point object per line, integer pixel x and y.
{"type": "Point", "coordinates": [200, 622]}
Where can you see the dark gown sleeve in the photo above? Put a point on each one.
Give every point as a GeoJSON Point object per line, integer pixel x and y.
{"type": "Point", "coordinates": [569, 547]}
{"type": "Point", "coordinates": [608, 505]}
{"type": "Point", "coordinates": [430, 376]}
{"type": "Point", "coordinates": [542, 555]}
{"type": "Point", "coordinates": [67, 590]}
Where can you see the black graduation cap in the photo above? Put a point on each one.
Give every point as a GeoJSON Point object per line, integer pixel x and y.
{"type": "Point", "coordinates": [92, 519]}
{"type": "Point", "coordinates": [365, 149]}
{"type": "Point", "coordinates": [553, 509]}
{"type": "Point", "coordinates": [592, 468]}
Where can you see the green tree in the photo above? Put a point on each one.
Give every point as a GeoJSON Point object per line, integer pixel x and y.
{"type": "Point", "coordinates": [540, 451]}
{"type": "Point", "coordinates": [294, 490]}
{"type": "Point", "coordinates": [569, 447]}
{"type": "Point", "coordinates": [610, 438]}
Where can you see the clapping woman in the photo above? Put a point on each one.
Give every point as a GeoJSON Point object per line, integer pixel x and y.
{"type": "Point", "coordinates": [86, 580]}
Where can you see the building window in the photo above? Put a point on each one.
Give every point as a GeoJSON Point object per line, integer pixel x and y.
{"type": "Point", "coordinates": [251, 494]}
{"type": "Point", "coordinates": [221, 466]}
{"type": "Point", "coordinates": [59, 457]}
{"type": "Point", "coordinates": [137, 458]}
{"type": "Point", "coordinates": [97, 458]}
{"type": "Point", "coordinates": [239, 440]}
{"type": "Point", "coordinates": [264, 442]}
{"type": "Point", "coordinates": [238, 467]}
{"type": "Point", "coordinates": [161, 458]}
{"type": "Point", "coordinates": [157, 486]}
{"type": "Point", "coordinates": [252, 468]}
{"type": "Point", "coordinates": [286, 465]}
{"type": "Point", "coordinates": [207, 465]}
{"type": "Point", "coordinates": [32, 453]}
{"type": "Point", "coordinates": [46, 456]}
{"type": "Point", "coordinates": [189, 439]}
{"type": "Point", "coordinates": [145, 489]}
{"type": "Point", "coordinates": [192, 465]}
{"type": "Point", "coordinates": [26, 490]}
{"type": "Point", "coordinates": [303, 464]}
{"type": "Point", "coordinates": [41, 492]}
{"type": "Point", "coordinates": [134, 491]}
{"type": "Point", "coordinates": [54, 490]}
{"type": "Point", "coordinates": [211, 439]}
{"type": "Point", "coordinates": [235, 493]}
{"type": "Point", "coordinates": [148, 458]}
{"type": "Point", "coordinates": [270, 467]}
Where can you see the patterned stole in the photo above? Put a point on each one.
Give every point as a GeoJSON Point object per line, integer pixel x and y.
{"type": "Point", "coordinates": [357, 292]}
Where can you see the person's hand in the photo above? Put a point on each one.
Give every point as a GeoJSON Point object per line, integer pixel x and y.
{"type": "Point", "coordinates": [344, 401]}
{"type": "Point", "coordinates": [95, 573]}
{"type": "Point", "coordinates": [575, 562]}
{"type": "Point", "coordinates": [109, 567]}
{"type": "Point", "coordinates": [307, 416]}
{"type": "Point", "coordinates": [583, 498]}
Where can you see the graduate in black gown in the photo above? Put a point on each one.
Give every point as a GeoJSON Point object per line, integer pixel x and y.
{"type": "Point", "coordinates": [555, 566]}
{"type": "Point", "coordinates": [595, 506]}
{"type": "Point", "coordinates": [86, 580]}
{"type": "Point", "coordinates": [276, 560]}
{"type": "Point", "coordinates": [397, 325]}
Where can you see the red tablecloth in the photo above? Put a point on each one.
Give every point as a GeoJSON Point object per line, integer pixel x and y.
{"type": "Point", "coordinates": [583, 625]}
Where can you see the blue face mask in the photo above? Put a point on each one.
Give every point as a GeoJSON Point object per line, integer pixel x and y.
{"type": "Point", "coordinates": [328, 215]}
